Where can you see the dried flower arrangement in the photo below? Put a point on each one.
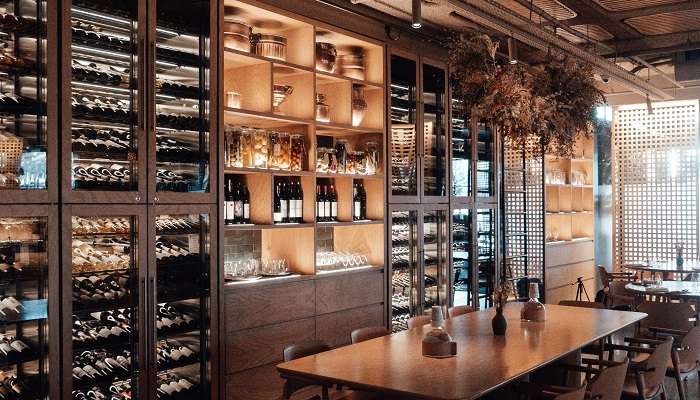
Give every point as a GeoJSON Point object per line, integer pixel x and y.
{"type": "Point", "coordinates": [501, 294]}
{"type": "Point", "coordinates": [544, 108]}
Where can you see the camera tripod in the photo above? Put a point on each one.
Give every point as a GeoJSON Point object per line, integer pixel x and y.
{"type": "Point", "coordinates": [580, 289]}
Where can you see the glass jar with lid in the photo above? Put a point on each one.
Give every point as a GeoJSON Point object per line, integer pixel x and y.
{"type": "Point", "coordinates": [247, 147]}
{"type": "Point", "coordinates": [322, 160]}
{"type": "Point", "coordinates": [260, 148]}
{"type": "Point", "coordinates": [273, 150]}
{"type": "Point", "coordinates": [298, 153]}
{"type": "Point", "coordinates": [284, 159]}
{"type": "Point", "coordinates": [332, 161]}
{"type": "Point", "coordinates": [323, 113]}
{"type": "Point", "coordinates": [341, 148]}
{"type": "Point", "coordinates": [360, 166]}
{"type": "Point", "coordinates": [371, 157]}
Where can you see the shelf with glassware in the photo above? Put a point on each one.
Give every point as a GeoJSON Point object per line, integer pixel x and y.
{"type": "Point", "coordinates": [27, 355]}
{"type": "Point", "coordinates": [569, 198]}
{"type": "Point", "coordinates": [109, 124]}
{"type": "Point", "coordinates": [27, 118]}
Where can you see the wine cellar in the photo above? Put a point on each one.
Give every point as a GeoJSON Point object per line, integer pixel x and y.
{"type": "Point", "coordinates": [188, 191]}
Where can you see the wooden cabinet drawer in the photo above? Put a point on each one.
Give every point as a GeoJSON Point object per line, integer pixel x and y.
{"type": "Point", "coordinates": [335, 328]}
{"type": "Point", "coordinates": [266, 305]}
{"type": "Point", "coordinates": [348, 291]}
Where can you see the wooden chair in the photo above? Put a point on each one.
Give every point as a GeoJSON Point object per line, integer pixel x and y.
{"type": "Point", "coordinates": [371, 332]}
{"type": "Point", "coordinates": [674, 316]}
{"type": "Point", "coordinates": [645, 377]}
{"type": "Point", "coordinates": [557, 393]}
{"type": "Point", "coordinates": [459, 310]}
{"type": "Point", "coordinates": [685, 356]}
{"type": "Point", "coordinates": [607, 277]}
{"type": "Point", "coordinates": [604, 379]}
{"type": "Point", "coordinates": [582, 304]}
{"type": "Point", "coordinates": [418, 321]}
{"type": "Point", "coordinates": [621, 298]}
{"type": "Point", "coordinates": [294, 352]}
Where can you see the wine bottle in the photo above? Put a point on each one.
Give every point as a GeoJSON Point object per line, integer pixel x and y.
{"type": "Point", "coordinates": [228, 202]}
{"type": "Point", "coordinates": [284, 199]}
{"type": "Point", "coordinates": [334, 204]}
{"type": "Point", "coordinates": [326, 205]}
{"type": "Point", "coordinates": [238, 204]}
{"type": "Point", "coordinates": [277, 205]}
{"type": "Point", "coordinates": [356, 206]}
{"type": "Point", "coordinates": [300, 202]}
{"type": "Point", "coordinates": [363, 202]}
{"type": "Point", "coordinates": [319, 204]}
{"type": "Point", "coordinates": [246, 205]}
{"type": "Point", "coordinates": [292, 200]}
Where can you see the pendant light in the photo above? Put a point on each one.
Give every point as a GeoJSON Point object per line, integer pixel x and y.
{"type": "Point", "coordinates": [512, 51]}
{"type": "Point", "coordinates": [416, 19]}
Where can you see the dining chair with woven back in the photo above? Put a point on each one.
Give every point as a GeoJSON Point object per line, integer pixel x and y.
{"type": "Point", "coordinates": [459, 310]}
{"type": "Point", "coordinates": [621, 298]}
{"type": "Point", "coordinates": [607, 277]}
{"type": "Point", "coordinates": [603, 380]}
{"type": "Point", "coordinates": [367, 333]}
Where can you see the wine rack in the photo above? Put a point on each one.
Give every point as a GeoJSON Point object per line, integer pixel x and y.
{"type": "Point", "coordinates": [25, 362]}
{"type": "Point", "coordinates": [182, 300]}
{"type": "Point", "coordinates": [107, 326]}
{"type": "Point", "coordinates": [24, 134]}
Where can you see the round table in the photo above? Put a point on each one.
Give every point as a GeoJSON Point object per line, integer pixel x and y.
{"type": "Point", "coordinates": [663, 267]}
{"type": "Point", "coordinates": [676, 289]}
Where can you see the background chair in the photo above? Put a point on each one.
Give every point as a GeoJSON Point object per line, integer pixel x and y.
{"type": "Point", "coordinates": [371, 332]}
{"type": "Point", "coordinates": [620, 298]}
{"type": "Point", "coordinates": [459, 310]}
{"type": "Point", "coordinates": [645, 377]}
{"type": "Point", "coordinates": [685, 356]}
{"type": "Point", "coordinates": [295, 351]}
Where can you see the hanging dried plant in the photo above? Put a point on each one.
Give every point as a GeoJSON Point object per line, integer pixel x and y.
{"type": "Point", "coordinates": [546, 108]}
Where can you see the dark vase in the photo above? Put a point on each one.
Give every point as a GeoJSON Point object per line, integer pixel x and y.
{"type": "Point", "coordinates": [499, 323]}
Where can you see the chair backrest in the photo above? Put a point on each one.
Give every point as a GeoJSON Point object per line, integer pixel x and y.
{"type": "Point", "coordinates": [619, 294]}
{"type": "Point", "coordinates": [656, 366]}
{"type": "Point", "coordinates": [582, 304]}
{"type": "Point", "coordinates": [666, 315]}
{"type": "Point", "coordinates": [577, 394]}
{"type": "Point", "coordinates": [459, 310]}
{"type": "Point", "coordinates": [418, 321]}
{"type": "Point", "coordinates": [294, 351]}
{"type": "Point", "coordinates": [609, 382]}
{"type": "Point", "coordinates": [370, 332]}
{"type": "Point", "coordinates": [604, 277]}
{"type": "Point", "coordinates": [690, 352]}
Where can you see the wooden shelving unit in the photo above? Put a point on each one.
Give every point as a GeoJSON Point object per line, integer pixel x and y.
{"type": "Point", "coordinates": [569, 223]}
{"type": "Point", "coordinates": [264, 315]}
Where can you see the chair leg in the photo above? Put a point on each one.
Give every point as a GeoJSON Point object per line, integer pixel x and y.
{"type": "Point", "coordinates": [324, 393]}
{"type": "Point", "coordinates": [677, 374]}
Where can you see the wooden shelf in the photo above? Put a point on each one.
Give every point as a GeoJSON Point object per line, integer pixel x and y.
{"type": "Point", "coordinates": [257, 227]}
{"type": "Point", "coordinates": [259, 119]}
{"type": "Point", "coordinates": [367, 84]}
{"type": "Point", "coordinates": [347, 176]}
{"type": "Point", "coordinates": [334, 129]}
{"type": "Point", "coordinates": [257, 59]}
{"type": "Point", "coordinates": [349, 223]}
{"type": "Point", "coordinates": [272, 172]}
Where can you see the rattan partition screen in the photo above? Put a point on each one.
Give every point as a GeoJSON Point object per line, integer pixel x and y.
{"type": "Point", "coordinates": [655, 181]}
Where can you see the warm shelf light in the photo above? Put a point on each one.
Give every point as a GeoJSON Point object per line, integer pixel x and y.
{"type": "Point", "coordinates": [512, 51]}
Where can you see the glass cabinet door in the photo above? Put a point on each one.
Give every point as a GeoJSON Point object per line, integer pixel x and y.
{"type": "Point", "coordinates": [485, 163]}
{"type": "Point", "coordinates": [24, 290]}
{"type": "Point", "coordinates": [107, 324]}
{"type": "Point", "coordinates": [181, 135]}
{"type": "Point", "coordinates": [462, 271]}
{"type": "Point", "coordinates": [106, 85]}
{"type": "Point", "coordinates": [181, 306]}
{"type": "Point", "coordinates": [434, 132]}
{"type": "Point", "coordinates": [462, 173]}
{"type": "Point", "coordinates": [404, 128]}
{"type": "Point", "coordinates": [23, 111]}
{"type": "Point", "coordinates": [404, 268]}
{"type": "Point", "coordinates": [486, 255]}
{"type": "Point", "coordinates": [435, 241]}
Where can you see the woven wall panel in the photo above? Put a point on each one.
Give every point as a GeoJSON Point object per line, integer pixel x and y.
{"type": "Point", "coordinates": [655, 178]}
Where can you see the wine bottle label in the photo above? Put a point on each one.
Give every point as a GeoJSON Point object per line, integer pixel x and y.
{"type": "Point", "coordinates": [277, 217]}
{"type": "Point", "coordinates": [230, 211]}
{"type": "Point", "coordinates": [285, 209]}
{"type": "Point", "coordinates": [238, 209]}
{"type": "Point", "coordinates": [334, 209]}
{"type": "Point", "coordinates": [246, 211]}
{"type": "Point", "coordinates": [292, 210]}
{"type": "Point", "coordinates": [356, 212]}
{"type": "Point", "coordinates": [327, 209]}
{"type": "Point", "coordinates": [300, 209]}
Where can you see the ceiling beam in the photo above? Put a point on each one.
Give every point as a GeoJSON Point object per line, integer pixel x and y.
{"type": "Point", "coordinates": [651, 45]}
{"type": "Point", "coordinates": [653, 10]}
{"type": "Point", "coordinates": [600, 16]}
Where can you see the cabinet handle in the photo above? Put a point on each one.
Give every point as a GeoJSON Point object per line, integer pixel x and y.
{"type": "Point", "coordinates": [155, 198]}
{"type": "Point", "coordinates": [137, 198]}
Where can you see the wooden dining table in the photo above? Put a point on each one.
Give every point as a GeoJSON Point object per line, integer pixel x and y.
{"type": "Point", "coordinates": [394, 366]}
{"type": "Point", "coordinates": [682, 290]}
